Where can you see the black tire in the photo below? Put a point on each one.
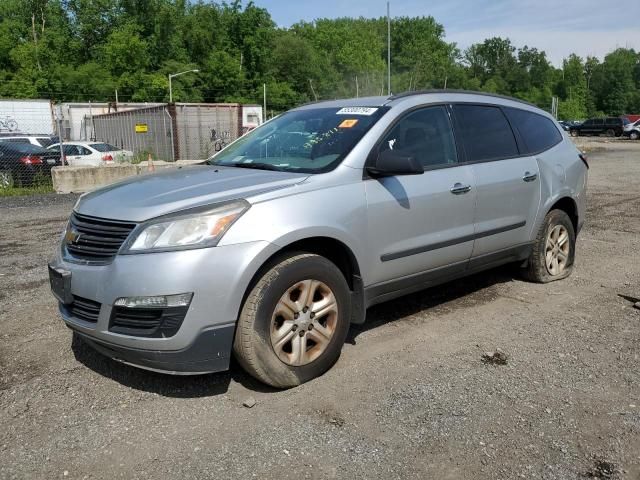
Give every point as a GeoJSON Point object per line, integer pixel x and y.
{"type": "Point", "coordinates": [574, 133]}
{"type": "Point", "coordinates": [610, 132]}
{"type": "Point", "coordinates": [7, 179]}
{"type": "Point", "coordinates": [536, 269]}
{"type": "Point", "coordinates": [634, 135]}
{"type": "Point", "coordinates": [252, 344]}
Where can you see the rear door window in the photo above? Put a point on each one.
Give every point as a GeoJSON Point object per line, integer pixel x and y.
{"type": "Point", "coordinates": [103, 147]}
{"type": "Point", "coordinates": [538, 132]}
{"type": "Point", "coordinates": [486, 133]}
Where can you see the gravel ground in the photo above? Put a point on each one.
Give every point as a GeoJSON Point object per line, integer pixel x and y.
{"type": "Point", "coordinates": [410, 397]}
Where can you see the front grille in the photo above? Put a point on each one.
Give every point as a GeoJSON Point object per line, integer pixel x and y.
{"type": "Point", "coordinates": [84, 309]}
{"type": "Point", "coordinates": [95, 239]}
{"type": "Point", "coordinates": [147, 322]}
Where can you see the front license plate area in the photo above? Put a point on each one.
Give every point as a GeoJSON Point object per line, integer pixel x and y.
{"type": "Point", "coordinates": [60, 281]}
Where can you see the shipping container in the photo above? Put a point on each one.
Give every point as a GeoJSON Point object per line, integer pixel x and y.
{"type": "Point", "coordinates": [180, 131]}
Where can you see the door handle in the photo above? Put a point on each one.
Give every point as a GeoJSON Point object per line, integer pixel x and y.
{"type": "Point", "coordinates": [459, 189]}
{"type": "Point", "coordinates": [529, 177]}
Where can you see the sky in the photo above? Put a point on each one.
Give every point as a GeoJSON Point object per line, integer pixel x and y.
{"type": "Point", "coordinates": [559, 27]}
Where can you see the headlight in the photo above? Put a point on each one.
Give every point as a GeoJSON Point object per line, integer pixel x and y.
{"type": "Point", "coordinates": [203, 228]}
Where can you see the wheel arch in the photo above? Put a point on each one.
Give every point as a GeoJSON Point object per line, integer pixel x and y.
{"type": "Point", "coordinates": [336, 251]}
{"type": "Point", "coordinates": [570, 207]}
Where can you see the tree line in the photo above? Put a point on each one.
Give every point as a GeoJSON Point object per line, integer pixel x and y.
{"type": "Point", "coordinates": [85, 50]}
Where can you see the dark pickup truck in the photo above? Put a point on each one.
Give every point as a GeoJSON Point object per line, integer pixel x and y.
{"type": "Point", "coordinates": [610, 126]}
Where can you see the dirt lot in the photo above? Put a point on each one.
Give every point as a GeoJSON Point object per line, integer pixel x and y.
{"type": "Point", "coordinates": [409, 398]}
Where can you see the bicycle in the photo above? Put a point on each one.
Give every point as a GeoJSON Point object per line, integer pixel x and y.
{"type": "Point", "coordinates": [8, 123]}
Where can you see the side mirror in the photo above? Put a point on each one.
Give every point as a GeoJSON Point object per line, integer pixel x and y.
{"type": "Point", "coordinates": [390, 163]}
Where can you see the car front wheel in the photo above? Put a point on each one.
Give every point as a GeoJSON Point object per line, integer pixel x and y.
{"type": "Point", "coordinates": [553, 250]}
{"type": "Point", "coordinates": [294, 321]}
{"type": "Point", "coordinates": [574, 133]}
{"type": "Point", "coordinates": [634, 135]}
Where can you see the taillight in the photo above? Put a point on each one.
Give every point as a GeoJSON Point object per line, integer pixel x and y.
{"type": "Point", "coordinates": [107, 158]}
{"type": "Point", "coordinates": [583, 157]}
{"type": "Point", "coordinates": [29, 160]}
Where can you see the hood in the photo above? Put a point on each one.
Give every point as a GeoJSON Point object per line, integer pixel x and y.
{"type": "Point", "coordinates": [147, 196]}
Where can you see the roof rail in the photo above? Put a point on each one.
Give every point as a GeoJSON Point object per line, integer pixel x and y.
{"type": "Point", "coordinates": [469, 92]}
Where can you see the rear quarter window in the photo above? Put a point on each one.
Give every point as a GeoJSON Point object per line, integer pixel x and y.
{"type": "Point", "coordinates": [486, 133]}
{"type": "Point", "coordinates": [537, 131]}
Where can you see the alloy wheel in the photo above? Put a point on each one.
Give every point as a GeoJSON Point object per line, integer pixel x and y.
{"type": "Point", "coordinates": [303, 322]}
{"type": "Point", "coordinates": [557, 249]}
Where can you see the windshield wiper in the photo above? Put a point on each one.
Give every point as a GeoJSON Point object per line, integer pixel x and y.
{"type": "Point", "coordinates": [257, 165]}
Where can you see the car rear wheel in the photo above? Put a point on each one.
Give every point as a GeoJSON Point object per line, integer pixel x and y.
{"type": "Point", "coordinates": [610, 132]}
{"type": "Point", "coordinates": [294, 321]}
{"type": "Point", "coordinates": [6, 179]}
{"type": "Point", "coordinates": [553, 250]}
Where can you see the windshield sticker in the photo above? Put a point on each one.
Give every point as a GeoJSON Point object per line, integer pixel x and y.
{"type": "Point", "coordinates": [348, 123]}
{"type": "Point", "coordinates": [357, 111]}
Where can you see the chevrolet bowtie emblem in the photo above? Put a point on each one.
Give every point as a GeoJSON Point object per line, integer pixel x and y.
{"type": "Point", "coordinates": [72, 236]}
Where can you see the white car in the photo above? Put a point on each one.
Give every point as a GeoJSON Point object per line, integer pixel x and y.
{"type": "Point", "coordinates": [92, 154]}
{"type": "Point", "coordinates": [38, 140]}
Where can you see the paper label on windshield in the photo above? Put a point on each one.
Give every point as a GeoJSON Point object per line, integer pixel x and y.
{"type": "Point", "coordinates": [357, 111]}
{"type": "Point", "coordinates": [348, 123]}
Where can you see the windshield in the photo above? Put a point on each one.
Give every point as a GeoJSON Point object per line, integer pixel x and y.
{"type": "Point", "coordinates": [309, 141]}
{"type": "Point", "coordinates": [104, 147]}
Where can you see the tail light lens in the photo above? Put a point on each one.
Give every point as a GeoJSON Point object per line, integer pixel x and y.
{"type": "Point", "coordinates": [30, 160]}
{"type": "Point", "coordinates": [583, 157]}
{"type": "Point", "coordinates": [107, 158]}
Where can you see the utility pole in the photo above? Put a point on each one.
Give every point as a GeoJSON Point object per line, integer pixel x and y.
{"type": "Point", "coordinates": [264, 97]}
{"type": "Point", "coordinates": [388, 49]}
{"type": "Point", "coordinates": [357, 88]}
{"type": "Point", "coordinates": [313, 91]}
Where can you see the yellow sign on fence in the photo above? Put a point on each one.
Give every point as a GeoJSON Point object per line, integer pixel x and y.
{"type": "Point", "coordinates": [142, 128]}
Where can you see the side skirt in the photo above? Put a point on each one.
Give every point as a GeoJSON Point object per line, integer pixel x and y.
{"type": "Point", "coordinates": [383, 292]}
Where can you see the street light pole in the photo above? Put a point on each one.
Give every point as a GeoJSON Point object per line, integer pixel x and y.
{"type": "Point", "coordinates": [173, 75]}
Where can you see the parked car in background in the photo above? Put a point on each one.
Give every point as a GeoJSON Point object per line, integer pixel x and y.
{"type": "Point", "coordinates": [632, 130]}
{"type": "Point", "coordinates": [273, 247]}
{"type": "Point", "coordinates": [38, 140]}
{"type": "Point", "coordinates": [22, 163]}
{"type": "Point", "coordinates": [91, 154]}
{"type": "Point", "coordinates": [610, 126]}
{"type": "Point", "coordinates": [567, 124]}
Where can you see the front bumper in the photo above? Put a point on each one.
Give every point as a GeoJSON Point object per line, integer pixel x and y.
{"type": "Point", "coordinates": [218, 278]}
{"type": "Point", "coordinates": [210, 352]}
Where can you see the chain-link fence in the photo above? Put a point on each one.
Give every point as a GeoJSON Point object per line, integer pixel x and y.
{"type": "Point", "coordinates": [36, 135]}
{"type": "Point", "coordinates": [28, 139]}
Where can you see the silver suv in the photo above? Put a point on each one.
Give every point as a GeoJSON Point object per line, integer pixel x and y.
{"type": "Point", "coordinates": [273, 247]}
